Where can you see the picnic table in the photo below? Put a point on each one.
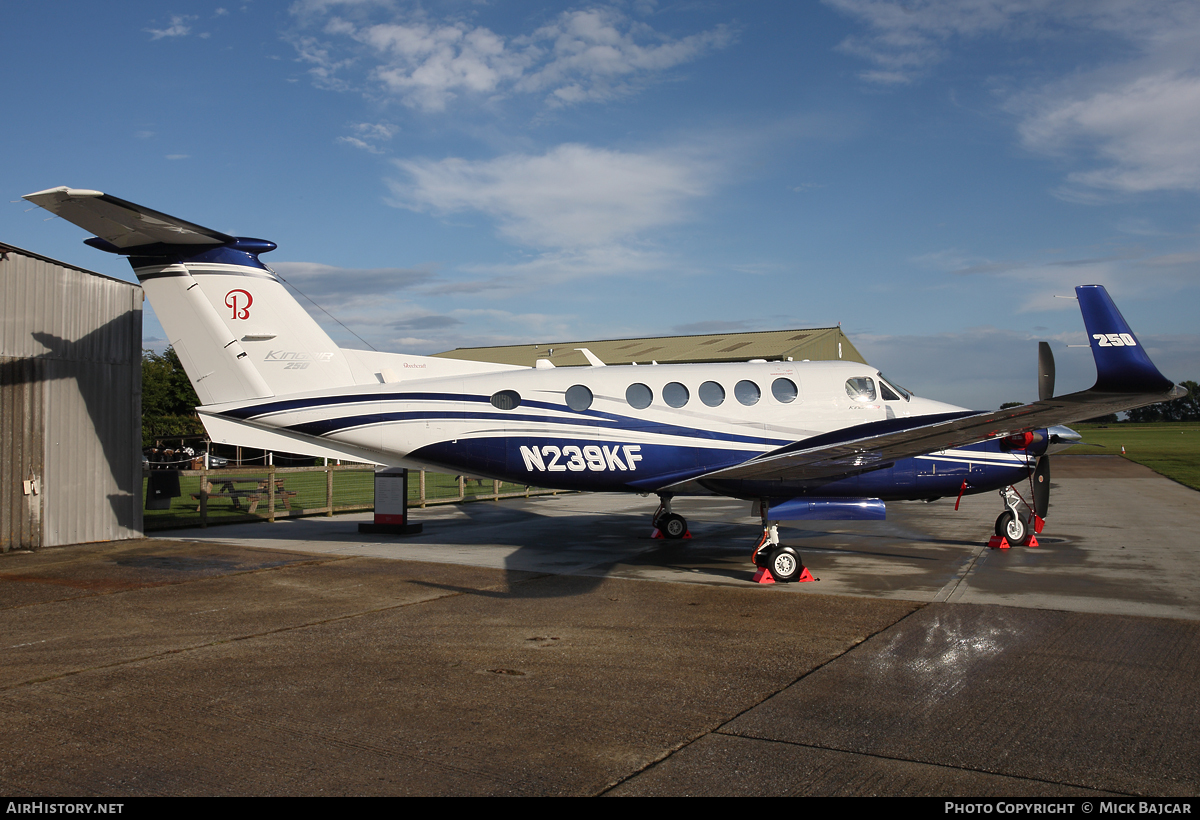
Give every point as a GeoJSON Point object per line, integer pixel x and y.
{"type": "Point", "coordinates": [254, 489]}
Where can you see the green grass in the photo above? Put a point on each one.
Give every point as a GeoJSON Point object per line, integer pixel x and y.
{"type": "Point", "coordinates": [351, 488]}
{"type": "Point", "coordinates": [1170, 449]}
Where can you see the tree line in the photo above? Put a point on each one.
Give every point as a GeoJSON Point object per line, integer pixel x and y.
{"type": "Point", "coordinates": [168, 399]}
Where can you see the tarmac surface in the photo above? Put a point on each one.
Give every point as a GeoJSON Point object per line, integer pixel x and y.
{"type": "Point", "coordinates": [550, 646]}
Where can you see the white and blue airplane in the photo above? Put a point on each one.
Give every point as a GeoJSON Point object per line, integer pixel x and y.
{"type": "Point", "coordinates": [806, 440]}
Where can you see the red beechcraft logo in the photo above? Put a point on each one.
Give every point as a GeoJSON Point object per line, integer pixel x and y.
{"type": "Point", "coordinates": [240, 300]}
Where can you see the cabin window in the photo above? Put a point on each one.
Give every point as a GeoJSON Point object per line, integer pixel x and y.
{"type": "Point", "coordinates": [506, 400]}
{"type": "Point", "coordinates": [675, 394]}
{"type": "Point", "coordinates": [784, 391]}
{"type": "Point", "coordinates": [747, 392]}
{"type": "Point", "coordinates": [712, 394]}
{"type": "Point", "coordinates": [579, 398]}
{"type": "Point", "coordinates": [639, 396]}
{"type": "Point", "coordinates": [860, 389]}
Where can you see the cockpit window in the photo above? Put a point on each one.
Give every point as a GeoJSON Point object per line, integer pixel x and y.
{"type": "Point", "coordinates": [887, 386]}
{"type": "Point", "coordinates": [862, 389]}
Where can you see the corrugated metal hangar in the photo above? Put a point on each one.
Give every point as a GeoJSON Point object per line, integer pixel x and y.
{"type": "Point", "coordinates": [816, 344]}
{"type": "Point", "coordinates": [70, 404]}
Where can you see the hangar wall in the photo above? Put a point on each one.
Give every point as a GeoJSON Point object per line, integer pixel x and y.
{"type": "Point", "coordinates": [70, 404]}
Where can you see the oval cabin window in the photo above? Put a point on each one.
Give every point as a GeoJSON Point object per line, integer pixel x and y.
{"type": "Point", "coordinates": [506, 400]}
{"type": "Point", "coordinates": [675, 394]}
{"type": "Point", "coordinates": [579, 398]}
{"type": "Point", "coordinates": [784, 391]}
{"type": "Point", "coordinates": [639, 396]}
{"type": "Point", "coordinates": [747, 392]}
{"type": "Point", "coordinates": [712, 394]}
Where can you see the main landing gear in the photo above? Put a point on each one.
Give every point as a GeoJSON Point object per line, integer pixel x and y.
{"type": "Point", "coordinates": [667, 524]}
{"type": "Point", "coordinates": [774, 560]}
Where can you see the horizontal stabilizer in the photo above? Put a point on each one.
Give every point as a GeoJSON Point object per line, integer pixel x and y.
{"type": "Point", "coordinates": [123, 224]}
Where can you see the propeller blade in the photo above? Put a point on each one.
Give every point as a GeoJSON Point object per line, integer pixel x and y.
{"type": "Point", "coordinates": [1045, 371]}
{"type": "Point", "coordinates": [1041, 487]}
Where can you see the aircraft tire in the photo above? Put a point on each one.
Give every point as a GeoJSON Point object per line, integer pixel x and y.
{"type": "Point", "coordinates": [1012, 526]}
{"type": "Point", "coordinates": [673, 527]}
{"type": "Point", "coordinates": [785, 565]}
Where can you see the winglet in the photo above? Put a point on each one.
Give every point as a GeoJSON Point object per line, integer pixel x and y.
{"type": "Point", "coordinates": [1122, 365]}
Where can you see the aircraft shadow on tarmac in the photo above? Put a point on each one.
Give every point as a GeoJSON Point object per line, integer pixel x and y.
{"type": "Point", "coordinates": [543, 539]}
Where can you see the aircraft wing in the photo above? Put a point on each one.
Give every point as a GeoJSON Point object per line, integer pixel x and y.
{"type": "Point", "coordinates": [120, 223]}
{"type": "Point", "coordinates": [1125, 379]}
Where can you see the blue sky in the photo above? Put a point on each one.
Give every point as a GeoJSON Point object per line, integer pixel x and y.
{"type": "Point", "coordinates": [930, 174]}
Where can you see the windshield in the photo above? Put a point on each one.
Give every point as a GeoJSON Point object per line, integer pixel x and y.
{"type": "Point", "coordinates": [885, 383]}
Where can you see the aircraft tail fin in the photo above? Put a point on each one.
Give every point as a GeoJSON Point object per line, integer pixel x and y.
{"type": "Point", "coordinates": [1122, 364]}
{"type": "Point", "coordinates": [237, 330]}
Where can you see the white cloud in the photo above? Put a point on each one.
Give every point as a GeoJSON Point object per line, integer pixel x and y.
{"type": "Point", "coordinates": [1132, 112]}
{"type": "Point", "coordinates": [179, 27]}
{"type": "Point", "coordinates": [368, 135]}
{"type": "Point", "coordinates": [572, 197]}
{"type": "Point", "coordinates": [907, 38]}
{"type": "Point", "coordinates": [1146, 132]}
{"type": "Point", "coordinates": [593, 54]}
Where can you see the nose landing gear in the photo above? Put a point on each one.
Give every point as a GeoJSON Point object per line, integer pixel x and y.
{"type": "Point", "coordinates": [1018, 524]}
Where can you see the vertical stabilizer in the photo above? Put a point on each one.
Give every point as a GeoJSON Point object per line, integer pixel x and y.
{"type": "Point", "coordinates": [238, 332]}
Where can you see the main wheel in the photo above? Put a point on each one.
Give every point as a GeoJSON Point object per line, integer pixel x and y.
{"type": "Point", "coordinates": [785, 565]}
{"type": "Point", "coordinates": [1011, 526]}
{"type": "Point", "coordinates": [672, 526]}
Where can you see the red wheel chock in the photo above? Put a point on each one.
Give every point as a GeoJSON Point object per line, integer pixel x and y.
{"type": "Point", "coordinates": [764, 576]}
{"type": "Point", "coordinates": [998, 542]}
{"type": "Point", "coordinates": [658, 534]}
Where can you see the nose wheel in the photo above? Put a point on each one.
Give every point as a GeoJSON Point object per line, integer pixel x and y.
{"type": "Point", "coordinates": [1013, 526]}
{"type": "Point", "coordinates": [1018, 524]}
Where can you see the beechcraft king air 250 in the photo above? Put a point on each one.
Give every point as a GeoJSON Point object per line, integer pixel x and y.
{"type": "Point", "coordinates": [806, 440]}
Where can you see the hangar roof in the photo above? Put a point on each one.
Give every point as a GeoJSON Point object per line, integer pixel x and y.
{"type": "Point", "coordinates": [817, 344]}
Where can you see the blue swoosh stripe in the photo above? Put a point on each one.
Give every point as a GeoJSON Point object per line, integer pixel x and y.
{"type": "Point", "coordinates": [587, 417]}
{"type": "Point", "coordinates": [325, 427]}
